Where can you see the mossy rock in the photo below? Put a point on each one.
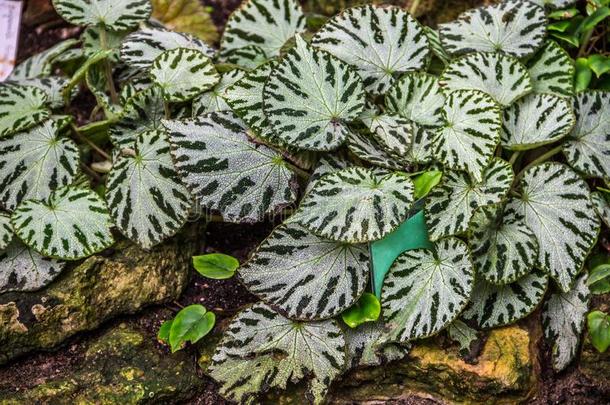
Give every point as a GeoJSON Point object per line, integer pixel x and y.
{"type": "Point", "coordinates": [120, 281]}
{"type": "Point", "coordinates": [123, 366]}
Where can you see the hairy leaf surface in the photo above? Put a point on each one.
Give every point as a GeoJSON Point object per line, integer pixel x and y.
{"type": "Point", "coordinates": [310, 96]}
{"type": "Point", "coordinates": [142, 112]}
{"type": "Point", "coordinates": [552, 70]}
{"type": "Point", "coordinates": [393, 132]}
{"type": "Point", "coordinates": [117, 15]}
{"type": "Point", "coordinates": [305, 276]}
{"type": "Point", "coordinates": [426, 290]}
{"type": "Point", "coordinates": [225, 171]}
{"type": "Point", "coordinates": [463, 335]}
{"type": "Point", "coordinates": [21, 107]}
{"type": "Point", "coordinates": [368, 346]}
{"type": "Point", "coordinates": [71, 224]}
{"type": "Point", "coordinates": [366, 147]}
{"type": "Point", "coordinates": [492, 305]}
{"type": "Point", "coordinates": [421, 147]}
{"type": "Point", "coordinates": [381, 42]}
{"type": "Point", "coordinates": [356, 205]}
{"type": "Point", "coordinates": [514, 27]}
{"type": "Point", "coordinates": [417, 97]}
{"type": "Point", "coordinates": [556, 206]}
{"type": "Point", "coordinates": [248, 57]}
{"type": "Point", "coordinates": [6, 230]}
{"type": "Point", "coordinates": [214, 99]}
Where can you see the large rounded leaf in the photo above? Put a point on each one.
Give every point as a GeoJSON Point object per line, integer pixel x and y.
{"type": "Point", "coordinates": [142, 112]}
{"type": "Point", "coordinates": [213, 99]}
{"type": "Point", "coordinates": [552, 70]}
{"type": "Point", "coordinates": [305, 276]}
{"type": "Point", "coordinates": [563, 319]}
{"type": "Point", "coordinates": [262, 350]}
{"type": "Point", "coordinates": [117, 15]}
{"type": "Point", "coordinates": [535, 120]}
{"type": "Point", "coordinates": [21, 107]}
{"type": "Point", "coordinates": [393, 132]}
{"type": "Point", "coordinates": [41, 64]}
{"type": "Point", "coordinates": [364, 146]}
{"type": "Point", "coordinates": [492, 305]}
{"type": "Point", "coordinates": [503, 77]}
{"type": "Point", "coordinates": [22, 269]}
{"type": "Point", "coordinates": [503, 247]}
{"type": "Point", "coordinates": [421, 147]}
{"type": "Point", "coordinates": [267, 24]}
{"type": "Point", "coordinates": [417, 97]}
{"type": "Point", "coordinates": [471, 132]}
{"type": "Point", "coordinates": [146, 199]}
{"type": "Point", "coordinates": [588, 150]}
{"type": "Point", "coordinates": [35, 162]}
{"type": "Point", "coordinates": [225, 171]}
{"type": "Point", "coordinates": [310, 96]}
{"type": "Point", "coordinates": [356, 205]}
{"type": "Point", "coordinates": [450, 205]}
{"type": "Point", "coordinates": [183, 73]}
{"type": "Point", "coordinates": [426, 290]}
{"type": "Point", "coordinates": [381, 42]}
{"type": "Point", "coordinates": [556, 206]}
{"type": "Point", "coordinates": [71, 224]}
{"type": "Point", "coordinates": [141, 48]}
{"type": "Point", "coordinates": [53, 86]}
{"type": "Point", "coordinates": [515, 27]}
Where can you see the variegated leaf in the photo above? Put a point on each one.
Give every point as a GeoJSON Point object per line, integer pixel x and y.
{"type": "Point", "coordinates": [53, 86]}
{"type": "Point", "coordinates": [213, 100]}
{"type": "Point", "coordinates": [563, 320]}
{"type": "Point", "coordinates": [248, 57]}
{"type": "Point", "coordinates": [92, 42]}
{"type": "Point", "coordinates": [536, 120]}
{"type": "Point", "coordinates": [267, 24]}
{"type": "Point", "coordinates": [40, 65]}
{"type": "Point", "coordinates": [6, 230]}
{"type": "Point", "coordinates": [364, 146]}
{"type": "Point", "coordinates": [310, 96]}
{"type": "Point", "coordinates": [142, 112]}
{"type": "Point", "coordinates": [417, 97]}
{"type": "Point", "coordinates": [515, 27]}
{"type": "Point", "coordinates": [225, 171]}
{"type": "Point", "coordinates": [183, 74]}
{"type": "Point", "coordinates": [588, 149]}
{"type": "Point", "coordinates": [21, 107]}
{"type": "Point", "coordinates": [133, 86]}
{"type": "Point", "coordinates": [552, 70]}
{"type": "Point", "coordinates": [556, 206]}
{"type": "Point", "coordinates": [97, 83]}
{"type": "Point", "coordinates": [355, 205]}
{"type": "Point", "coordinates": [450, 205]}
{"type": "Point", "coordinates": [493, 305]}
{"type": "Point", "coordinates": [328, 163]}
{"type": "Point", "coordinates": [463, 335]}
{"type": "Point", "coordinates": [146, 199]}
{"type": "Point", "coordinates": [426, 290]}
{"type": "Point", "coordinates": [142, 47]}
{"type": "Point", "coordinates": [22, 269]}
{"type": "Point", "coordinates": [503, 247]}
{"type": "Point", "coordinates": [368, 346]}
{"type": "Point", "coordinates": [554, 3]}
{"type": "Point", "coordinates": [421, 148]}
{"type": "Point", "coordinates": [381, 42]}
{"type": "Point", "coordinates": [393, 132]}
{"type": "Point", "coordinates": [71, 224]}
{"type": "Point", "coordinates": [34, 163]}
{"type": "Point", "coordinates": [116, 15]}
{"type": "Point", "coordinates": [304, 276]}
{"type": "Point", "coordinates": [262, 350]}
{"type": "Point", "coordinates": [471, 132]}
{"type": "Point", "coordinates": [503, 77]}
{"type": "Point", "coordinates": [602, 207]}
{"type": "Point", "coordinates": [434, 41]}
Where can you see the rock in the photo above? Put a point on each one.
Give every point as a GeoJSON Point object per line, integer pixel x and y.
{"type": "Point", "coordinates": [123, 281]}
{"type": "Point", "coordinates": [123, 366]}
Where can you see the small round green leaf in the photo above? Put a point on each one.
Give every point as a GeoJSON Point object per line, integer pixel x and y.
{"type": "Point", "coordinates": [191, 324]}
{"type": "Point", "coordinates": [164, 329]}
{"type": "Point", "coordinates": [599, 330]}
{"type": "Point", "coordinates": [366, 309]}
{"type": "Point", "coordinates": [216, 265]}
{"type": "Point", "coordinates": [425, 182]}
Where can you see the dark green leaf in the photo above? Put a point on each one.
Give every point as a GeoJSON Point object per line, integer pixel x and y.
{"type": "Point", "coordinates": [599, 64]}
{"type": "Point", "coordinates": [559, 26]}
{"type": "Point", "coordinates": [367, 309]}
{"type": "Point", "coordinates": [591, 21]}
{"type": "Point", "coordinates": [599, 279]}
{"type": "Point", "coordinates": [569, 38]}
{"type": "Point", "coordinates": [599, 330]}
{"type": "Point", "coordinates": [583, 74]}
{"type": "Point", "coordinates": [191, 324]}
{"type": "Point", "coordinates": [163, 334]}
{"type": "Point", "coordinates": [563, 14]}
{"type": "Point", "coordinates": [216, 265]}
{"type": "Point", "coordinates": [425, 182]}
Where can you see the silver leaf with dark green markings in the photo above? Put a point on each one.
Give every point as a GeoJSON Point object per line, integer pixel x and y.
{"type": "Point", "coordinates": [364, 146]}
{"type": "Point", "coordinates": [434, 41]}
{"type": "Point", "coordinates": [142, 112]}
{"type": "Point", "coordinates": [183, 74]}
{"type": "Point", "coordinates": [563, 319]}
{"type": "Point", "coordinates": [141, 48]}
{"type": "Point", "coordinates": [248, 57]}
{"type": "Point", "coordinates": [356, 205]}
{"type": "Point", "coordinates": [451, 204]}
{"type": "Point", "coordinates": [536, 120]}
{"type": "Point", "coordinates": [328, 163]}
{"type": "Point", "coordinates": [554, 3]}
{"type": "Point", "coordinates": [214, 99]}
{"type": "Point", "coordinates": [426, 290]}
{"type": "Point", "coordinates": [471, 132]}
{"type": "Point", "coordinates": [267, 24]}
{"type": "Point", "coordinates": [262, 350]}
{"type": "Point", "coordinates": [71, 224]}
{"type": "Point", "coordinates": [21, 107]}
{"type": "Point", "coordinates": [225, 171]}
{"type": "Point", "coordinates": [552, 70]}
{"type": "Point", "coordinates": [588, 149]}
{"type": "Point", "coordinates": [92, 42]}
{"type": "Point", "coordinates": [310, 96]}
{"type": "Point", "coordinates": [368, 346]}
{"type": "Point", "coordinates": [381, 42]}
{"type": "Point", "coordinates": [145, 196]}
{"type": "Point", "coordinates": [393, 132]}
{"type": "Point", "coordinates": [503, 77]}
{"type": "Point", "coordinates": [515, 27]}
{"type": "Point", "coordinates": [53, 86]}
{"type": "Point", "coordinates": [35, 162]}
{"type": "Point", "coordinates": [602, 207]}
{"type": "Point", "coordinates": [556, 206]}
{"type": "Point", "coordinates": [503, 247]}
{"type": "Point", "coordinates": [6, 230]}
{"type": "Point", "coordinates": [417, 97]}
{"type": "Point", "coordinates": [40, 64]}
{"type": "Point", "coordinates": [116, 15]}
{"type": "Point", "coordinates": [421, 147]}
{"type": "Point", "coordinates": [492, 305]}
{"type": "Point", "coordinates": [305, 276]}
{"type": "Point", "coordinates": [463, 335]}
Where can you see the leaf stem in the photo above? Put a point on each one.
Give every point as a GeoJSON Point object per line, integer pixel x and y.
{"type": "Point", "coordinates": [107, 68]}
{"type": "Point", "coordinates": [91, 144]}
{"type": "Point", "coordinates": [540, 159]}
{"type": "Point", "coordinates": [514, 157]}
{"type": "Point", "coordinates": [298, 171]}
{"type": "Point", "coordinates": [414, 7]}
{"type": "Point", "coordinates": [168, 113]}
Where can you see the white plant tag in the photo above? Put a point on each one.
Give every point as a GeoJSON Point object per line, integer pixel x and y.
{"type": "Point", "coordinates": [10, 18]}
